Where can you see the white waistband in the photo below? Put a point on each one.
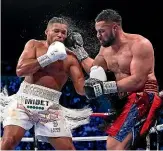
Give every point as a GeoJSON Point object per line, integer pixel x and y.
{"type": "Point", "coordinates": [39, 91]}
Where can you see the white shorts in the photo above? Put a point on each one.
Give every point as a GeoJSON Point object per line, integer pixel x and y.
{"type": "Point", "coordinates": [39, 105]}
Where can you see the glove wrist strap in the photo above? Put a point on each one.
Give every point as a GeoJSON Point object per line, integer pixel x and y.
{"type": "Point", "coordinates": [44, 60]}
{"type": "Point", "coordinates": [80, 53]}
{"type": "Point", "coordinates": [110, 87]}
{"type": "Point", "coordinates": [97, 89]}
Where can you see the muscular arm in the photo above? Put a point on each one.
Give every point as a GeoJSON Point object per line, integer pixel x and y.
{"type": "Point", "coordinates": [87, 64]}
{"type": "Point", "coordinates": [27, 63]}
{"type": "Point", "coordinates": [77, 76]}
{"type": "Point", "coordinates": [99, 60]}
{"type": "Point", "coordinates": [141, 65]}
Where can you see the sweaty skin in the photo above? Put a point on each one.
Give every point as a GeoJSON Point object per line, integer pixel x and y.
{"type": "Point", "coordinates": [132, 62]}
{"type": "Point", "coordinates": [53, 76]}
{"type": "Point", "coordinates": [130, 57]}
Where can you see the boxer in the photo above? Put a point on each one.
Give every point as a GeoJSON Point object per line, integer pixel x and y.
{"type": "Point", "coordinates": [45, 65]}
{"type": "Point", "coordinates": [131, 84]}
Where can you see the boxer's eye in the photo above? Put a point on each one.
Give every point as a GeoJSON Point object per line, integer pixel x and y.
{"type": "Point", "coordinates": [56, 31]}
{"type": "Point", "coordinates": [64, 32]}
{"type": "Point", "coordinates": [101, 31]}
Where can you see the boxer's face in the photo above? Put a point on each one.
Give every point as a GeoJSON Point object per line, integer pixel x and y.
{"type": "Point", "coordinates": [56, 32]}
{"type": "Point", "coordinates": [105, 33]}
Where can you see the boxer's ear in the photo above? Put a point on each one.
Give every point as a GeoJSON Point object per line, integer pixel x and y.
{"type": "Point", "coordinates": [115, 26]}
{"type": "Point", "coordinates": [46, 32]}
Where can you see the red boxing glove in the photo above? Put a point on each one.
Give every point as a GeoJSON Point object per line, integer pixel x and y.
{"type": "Point", "coordinates": [151, 115]}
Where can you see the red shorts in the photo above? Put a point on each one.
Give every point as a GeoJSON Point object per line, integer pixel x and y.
{"type": "Point", "coordinates": [136, 108]}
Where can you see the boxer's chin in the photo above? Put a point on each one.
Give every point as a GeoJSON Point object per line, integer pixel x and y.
{"type": "Point", "coordinates": [60, 40]}
{"type": "Point", "coordinates": [101, 43]}
{"type": "Point", "coordinates": [105, 44]}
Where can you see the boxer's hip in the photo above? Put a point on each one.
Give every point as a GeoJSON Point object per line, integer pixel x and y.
{"type": "Point", "coordinates": [137, 106]}
{"type": "Point", "coordinates": [151, 86]}
{"type": "Point", "coordinates": [41, 104]}
{"type": "Point", "coordinates": [39, 91]}
{"type": "Point", "coordinates": [119, 100]}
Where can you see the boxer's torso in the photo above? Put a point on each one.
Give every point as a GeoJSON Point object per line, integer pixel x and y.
{"type": "Point", "coordinates": [53, 76]}
{"type": "Point", "coordinates": [119, 60]}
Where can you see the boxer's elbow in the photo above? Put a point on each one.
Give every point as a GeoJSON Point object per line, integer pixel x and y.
{"type": "Point", "coordinates": [22, 71]}
{"type": "Point", "coordinates": [79, 87]}
{"type": "Point", "coordinates": [20, 68]}
{"type": "Point", "coordinates": [132, 83]}
{"type": "Point", "coordinates": [26, 68]}
{"type": "Point", "coordinates": [139, 85]}
{"type": "Point", "coordinates": [80, 91]}
{"type": "Point", "coordinates": [140, 82]}
{"type": "Point", "coordinates": [19, 72]}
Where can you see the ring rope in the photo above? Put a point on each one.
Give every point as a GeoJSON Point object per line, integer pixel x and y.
{"type": "Point", "coordinates": [90, 138]}
{"type": "Point", "coordinates": [96, 138]}
{"type": "Point", "coordinates": [99, 138]}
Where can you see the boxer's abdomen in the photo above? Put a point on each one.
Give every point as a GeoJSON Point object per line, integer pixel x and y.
{"type": "Point", "coordinates": [55, 82]}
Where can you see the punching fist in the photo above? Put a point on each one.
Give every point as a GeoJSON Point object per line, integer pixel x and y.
{"type": "Point", "coordinates": [93, 88]}
{"type": "Point", "coordinates": [56, 51]}
{"type": "Point", "coordinates": [98, 72]}
{"type": "Point", "coordinates": [75, 43]}
{"type": "Point", "coordinates": [97, 84]}
{"type": "Point", "coordinates": [74, 39]}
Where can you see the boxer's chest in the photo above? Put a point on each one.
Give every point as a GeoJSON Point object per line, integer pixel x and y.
{"type": "Point", "coordinates": [119, 62]}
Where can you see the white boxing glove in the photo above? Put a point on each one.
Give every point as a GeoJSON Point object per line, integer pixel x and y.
{"type": "Point", "coordinates": [97, 72]}
{"type": "Point", "coordinates": [97, 84]}
{"type": "Point", "coordinates": [56, 51]}
{"type": "Point", "coordinates": [161, 94]}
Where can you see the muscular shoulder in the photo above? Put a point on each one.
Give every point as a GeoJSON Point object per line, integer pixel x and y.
{"type": "Point", "coordinates": [70, 53]}
{"type": "Point", "coordinates": [142, 44]}
{"type": "Point", "coordinates": [71, 58]}
{"type": "Point", "coordinates": [35, 43]}
{"type": "Point", "coordinates": [140, 41]}
{"type": "Point", "coordinates": [142, 48]}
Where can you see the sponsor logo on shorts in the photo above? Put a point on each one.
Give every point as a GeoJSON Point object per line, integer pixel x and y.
{"type": "Point", "coordinates": [36, 102]}
{"type": "Point", "coordinates": [55, 130]}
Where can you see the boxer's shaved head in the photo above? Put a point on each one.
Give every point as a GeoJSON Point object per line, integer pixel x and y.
{"type": "Point", "coordinates": [57, 20]}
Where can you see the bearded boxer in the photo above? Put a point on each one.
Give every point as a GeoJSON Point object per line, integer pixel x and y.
{"type": "Point", "coordinates": [46, 66]}
{"type": "Point", "coordinates": [130, 82]}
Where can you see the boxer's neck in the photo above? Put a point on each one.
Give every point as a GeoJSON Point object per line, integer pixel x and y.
{"type": "Point", "coordinates": [120, 40]}
{"type": "Point", "coordinates": [47, 44]}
